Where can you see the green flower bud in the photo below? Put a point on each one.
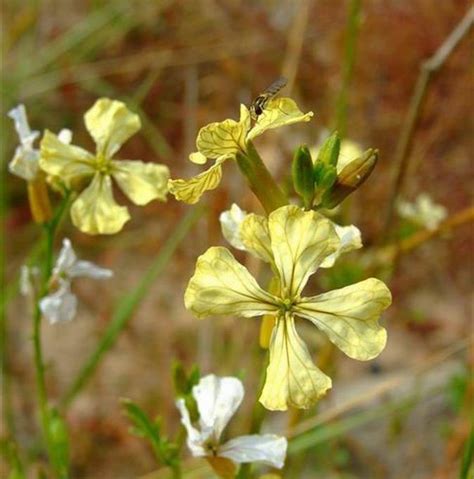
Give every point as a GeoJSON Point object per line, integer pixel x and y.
{"type": "Point", "coordinates": [329, 151]}
{"type": "Point", "coordinates": [350, 178]}
{"type": "Point", "coordinates": [302, 171]}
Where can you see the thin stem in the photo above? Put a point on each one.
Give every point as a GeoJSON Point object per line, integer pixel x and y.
{"type": "Point", "coordinates": [350, 47]}
{"type": "Point", "coordinates": [260, 180]}
{"type": "Point", "coordinates": [403, 148]}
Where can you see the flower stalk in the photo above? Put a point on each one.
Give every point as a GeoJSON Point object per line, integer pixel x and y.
{"type": "Point", "coordinates": [260, 180]}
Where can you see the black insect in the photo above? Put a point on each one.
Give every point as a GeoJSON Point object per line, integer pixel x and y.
{"type": "Point", "coordinates": [258, 105]}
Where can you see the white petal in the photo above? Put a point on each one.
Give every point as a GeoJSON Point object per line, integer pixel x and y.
{"type": "Point", "coordinates": [217, 400]}
{"type": "Point", "coordinates": [66, 259]}
{"type": "Point", "coordinates": [60, 305]}
{"type": "Point", "coordinates": [350, 237]}
{"type": "Point", "coordinates": [195, 439]}
{"type": "Point", "coordinates": [25, 134]}
{"type": "Point", "coordinates": [230, 225]}
{"type": "Point", "coordinates": [88, 269]}
{"type": "Point", "coordinates": [267, 448]}
{"type": "Point", "coordinates": [65, 136]}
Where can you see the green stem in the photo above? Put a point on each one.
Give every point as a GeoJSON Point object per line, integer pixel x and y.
{"type": "Point", "coordinates": [352, 30]}
{"type": "Point", "coordinates": [128, 304]}
{"type": "Point", "coordinates": [260, 180]}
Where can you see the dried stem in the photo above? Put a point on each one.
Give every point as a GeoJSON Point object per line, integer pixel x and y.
{"type": "Point", "coordinates": [427, 69]}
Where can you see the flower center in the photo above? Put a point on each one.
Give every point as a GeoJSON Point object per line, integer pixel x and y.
{"type": "Point", "coordinates": [286, 304]}
{"type": "Point", "coordinates": [103, 165]}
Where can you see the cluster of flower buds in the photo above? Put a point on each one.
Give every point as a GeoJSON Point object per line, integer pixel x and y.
{"type": "Point", "coordinates": [328, 180]}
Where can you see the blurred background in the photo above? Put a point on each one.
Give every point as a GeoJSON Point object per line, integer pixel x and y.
{"type": "Point", "coordinates": [181, 65]}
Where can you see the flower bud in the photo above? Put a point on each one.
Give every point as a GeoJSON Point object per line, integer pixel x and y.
{"type": "Point", "coordinates": [303, 179]}
{"type": "Point", "coordinates": [350, 178]}
{"type": "Point", "coordinates": [329, 151]}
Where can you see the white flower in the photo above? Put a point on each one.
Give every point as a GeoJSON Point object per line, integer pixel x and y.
{"type": "Point", "coordinates": [25, 161]}
{"type": "Point", "coordinates": [217, 400]}
{"type": "Point", "coordinates": [423, 212]}
{"type": "Point", "coordinates": [231, 220]}
{"type": "Point", "coordinates": [61, 305]}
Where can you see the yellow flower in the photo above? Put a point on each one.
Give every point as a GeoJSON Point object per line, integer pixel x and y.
{"type": "Point", "coordinates": [295, 243]}
{"type": "Point", "coordinates": [95, 211]}
{"type": "Point", "coordinates": [223, 140]}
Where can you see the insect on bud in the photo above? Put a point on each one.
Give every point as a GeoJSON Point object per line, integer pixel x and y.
{"type": "Point", "coordinates": [303, 177]}
{"type": "Point", "coordinates": [351, 178]}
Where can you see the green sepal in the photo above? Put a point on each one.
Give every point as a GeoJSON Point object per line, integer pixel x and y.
{"type": "Point", "coordinates": [302, 172]}
{"type": "Point", "coordinates": [329, 151]}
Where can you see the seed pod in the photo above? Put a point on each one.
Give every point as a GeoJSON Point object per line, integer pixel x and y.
{"type": "Point", "coordinates": [38, 198]}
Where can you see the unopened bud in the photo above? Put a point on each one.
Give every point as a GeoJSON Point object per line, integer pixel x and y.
{"type": "Point", "coordinates": [38, 198]}
{"type": "Point", "coordinates": [351, 178]}
{"type": "Point", "coordinates": [303, 179]}
{"type": "Point", "coordinates": [329, 151]}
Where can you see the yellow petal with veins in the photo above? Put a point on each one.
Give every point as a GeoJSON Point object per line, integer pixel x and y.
{"type": "Point", "coordinates": [191, 190]}
{"type": "Point", "coordinates": [292, 378]}
{"type": "Point", "coordinates": [222, 286]}
{"type": "Point", "coordinates": [349, 316]}
{"type": "Point", "coordinates": [278, 112]}
{"type": "Point", "coordinates": [141, 182]}
{"type": "Point", "coordinates": [95, 210]}
{"type": "Point", "coordinates": [111, 124]}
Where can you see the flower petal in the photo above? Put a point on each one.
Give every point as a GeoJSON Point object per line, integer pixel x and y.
{"type": "Point", "coordinates": [292, 378]}
{"type": "Point", "coordinates": [221, 286]}
{"type": "Point", "coordinates": [111, 124]}
{"type": "Point", "coordinates": [195, 439]}
{"type": "Point", "coordinates": [255, 236]}
{"type": "Point", "coordinates": [66, 259]}
{"type": "Point", "coordinates": [63, 160]}
{"type": "Point", "coordinates": [301, 240]}
{"type": "Point", "coordinates": [350, 239]}
{"type": "Point", "coordinates": [25, 134]}
{"type": "Point", "coordinates": [278, 112]}
{"type": "Point", "coordinates": [230, 225]}
{"type": "Point", "coordinates": [190, 191]}
{"type": "Point", "coordinates": [141, 182]}
{"type": "Point", "coordinates": [95, 210]}
{"type": "Point", "coordinates": [266, 448]}
{"type": "Point", "coordinates": [217, 400]}
{"type": "Point", "coordinates": [60, 305]}
{"type": "Point", "coordinates": [223, 138]}
{"type": "Point", "coordinates": [349, 316]}
{"type": "Point", "coordinates": [25, 163]}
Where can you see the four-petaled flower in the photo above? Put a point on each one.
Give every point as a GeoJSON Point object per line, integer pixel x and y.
{"type": "Point", "coordinates": [295, 243]}
{"type": "Point", "coordinates": [223, 140]}
{"type": "Point", "coordinates": [217, 400]}
{"type": "Point", "coordinates": [95, 211]}
{"type": "Point", "coordinates": [61, 305]}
